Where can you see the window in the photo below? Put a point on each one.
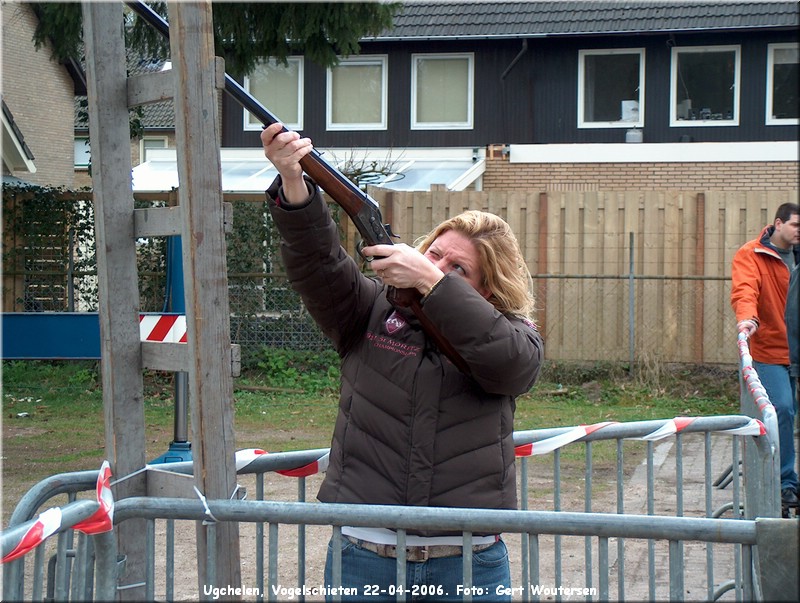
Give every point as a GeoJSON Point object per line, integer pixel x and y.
{"type": "Point", "coordinates": [442, 90]}
{"type": "Point", "coordinates": [82, 152]}
{"type": "Point", "coordinates": [150, 142]}
{"type": "Point", "coordinates": [279, 88]}
{"type": "Point", "coordinates": [611, 88]}
{"type": "Point", "coordinates": [357, 94]}
{"type": "Point", "coordinates": [782, 84]}
{"type": "Point", "coordinates": [704, 86]}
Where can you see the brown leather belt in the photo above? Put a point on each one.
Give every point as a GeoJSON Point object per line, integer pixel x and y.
{"type": "Point", "coordinates": [417, 554]}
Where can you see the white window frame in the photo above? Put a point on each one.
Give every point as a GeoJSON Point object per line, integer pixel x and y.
{"type": "Point", "coordinates": [770, 120]}
{"type": "Point", "coordinates": [453, 125]}
{"type": "Point", "coordinates": [84, 140]}
{"type": "Point", "coordinates": [381, 60]}
{"type": "Point", "coordinates": [248, 126]}
{"type": "Point", "coordinates": [673, 86]}
{"type": "Point", "coordinates": [582, 54]}
{"type": "Point", "coordinates": [142, 157]}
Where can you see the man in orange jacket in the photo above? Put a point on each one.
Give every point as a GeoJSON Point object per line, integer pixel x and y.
{"type": "Point", "coordinates": [760, 273]}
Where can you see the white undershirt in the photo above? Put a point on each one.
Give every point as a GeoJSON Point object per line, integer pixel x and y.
{"type": "Point", "coordinates": [386, 536]}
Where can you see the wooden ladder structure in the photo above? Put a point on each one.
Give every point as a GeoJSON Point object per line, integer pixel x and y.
{"type": "Point", "coordinates": [208, 358]}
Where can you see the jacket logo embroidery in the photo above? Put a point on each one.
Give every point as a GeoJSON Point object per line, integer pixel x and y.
{"type": "Point", "coordinates": [387, 343]}
{"type": "Point", "coordinates": [394, 323]}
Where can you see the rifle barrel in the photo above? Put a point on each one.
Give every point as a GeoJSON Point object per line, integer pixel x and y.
{"type": "Point", "coordinates": [367, 219]}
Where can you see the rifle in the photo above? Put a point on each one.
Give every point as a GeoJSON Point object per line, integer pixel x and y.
{"type": "Point", "coordinates": [362, 209]}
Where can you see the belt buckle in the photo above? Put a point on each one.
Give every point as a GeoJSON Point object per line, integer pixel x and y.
{"type": "Point", "coordinates": [417, 554]}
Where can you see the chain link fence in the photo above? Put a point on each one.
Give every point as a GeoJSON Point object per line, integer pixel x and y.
{"type": "Point", "coordinates": [49, 265]}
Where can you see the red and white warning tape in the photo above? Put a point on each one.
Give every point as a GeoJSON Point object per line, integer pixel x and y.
{"type": "Point", "coordinates": [46, 525]}
{"type": "Point", "coordinates": [753, 427]}
{"type": "Point", "coordinates": [550, 444]}
{"type": "Point", "coordinates": [670, 427]}
{"type": "Point", "coordinates": [245, 457]}
{"type": "Point", "coordinates": [49, 522]}
{"type": "Point", "coordinates": [103, 519]}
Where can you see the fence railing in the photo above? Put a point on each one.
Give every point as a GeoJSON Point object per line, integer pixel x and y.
{"type": "Point", "coordinates": [637, 521]}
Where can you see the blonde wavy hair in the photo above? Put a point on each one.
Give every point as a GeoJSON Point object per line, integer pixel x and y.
{"type": "Point", "coordinates": [505, 273]}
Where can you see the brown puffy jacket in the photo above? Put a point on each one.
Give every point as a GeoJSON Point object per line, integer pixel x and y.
{"type": "Point", "coordinates": [411, 428]}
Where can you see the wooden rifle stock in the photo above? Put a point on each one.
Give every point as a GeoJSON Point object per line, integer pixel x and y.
{"type": "Point", "coordinates": [362, 209]}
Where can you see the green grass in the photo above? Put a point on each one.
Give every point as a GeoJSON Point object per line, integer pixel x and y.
{"type": "Point", "coordinates": [572, 394]}
{"type": "Point", "coordinates": [53, 411]}
{"type": "Point", "coordinates": [614, 396]}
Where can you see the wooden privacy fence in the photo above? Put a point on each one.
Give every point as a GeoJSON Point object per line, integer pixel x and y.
{"type": "Point", "coordinates": [640, 276]}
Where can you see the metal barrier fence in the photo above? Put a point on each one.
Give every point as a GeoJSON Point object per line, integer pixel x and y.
{"type": "Point", "coordinates": [649, 529]}
{"type": "Point", "coordinates": [69, 576]}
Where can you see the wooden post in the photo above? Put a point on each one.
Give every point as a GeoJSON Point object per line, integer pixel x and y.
{"type": "Point", "coordinates": [699, 270]}
{"type": "Point", "coordinates": [542, 265]}
{"type": "Point", "coordinates": [118, 289]}
{"type": "Point", "coordinates": [205, 277]}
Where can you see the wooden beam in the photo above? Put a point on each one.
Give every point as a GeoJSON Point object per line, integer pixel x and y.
{"type": "Point", "coordinates": [205, 278]}
{"type": "Point", "coordinates": [157, 221]}
{"type": "Point", "coordinates": [147, 88]}
{"type": "Point", "coordinates": [174, 357]}
{"type": "Point", "coordinates": [118, 291]}
{"type": "Point", "coordinates": [164, 356]}
{"type": "Point", "coordinates": [167, 221]}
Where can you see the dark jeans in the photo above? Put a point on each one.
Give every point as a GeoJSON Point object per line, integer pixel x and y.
{"type": "Point", "coordinates": [780, 389]}
{"type": "Point", "coordinates": [371, 577]}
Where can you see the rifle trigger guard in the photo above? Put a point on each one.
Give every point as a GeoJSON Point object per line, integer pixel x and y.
{"type": "Point", "coordinates": [359, 246]}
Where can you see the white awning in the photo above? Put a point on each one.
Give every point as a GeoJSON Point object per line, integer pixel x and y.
{"type": "Point", "coordinates": [248, 171]}
{"type": "Point", "coordinates": [16, 154]}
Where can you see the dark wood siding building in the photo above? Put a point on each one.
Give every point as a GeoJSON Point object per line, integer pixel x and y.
{"type": "Point", "coordinates": [526, 70]}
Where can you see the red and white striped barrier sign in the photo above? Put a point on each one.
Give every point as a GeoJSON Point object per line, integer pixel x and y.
{"type": "Point", "coordinates": [162, 327]}
{"type": "Point", "coordinates": [49, 522]}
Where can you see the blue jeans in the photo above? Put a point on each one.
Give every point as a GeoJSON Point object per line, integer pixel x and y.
{"type": "Point", "coordinates": [374, 578]}
{"type": "Point", "coordinates": [780, 389]}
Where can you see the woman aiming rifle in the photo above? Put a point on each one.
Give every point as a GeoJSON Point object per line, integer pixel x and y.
{"type": "Point", "coordinates": [412, 428]}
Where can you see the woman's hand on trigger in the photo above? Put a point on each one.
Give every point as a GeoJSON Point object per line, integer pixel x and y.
{"type": "Point", "coordinates": [403, 267]}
